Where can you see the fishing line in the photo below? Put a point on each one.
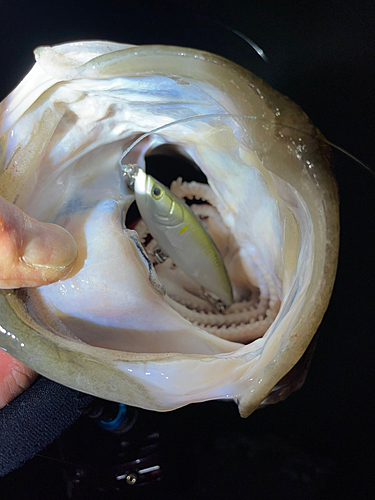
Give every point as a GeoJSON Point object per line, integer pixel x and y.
{"type": "Point", "coordinates": [252, 44]}
{"type": "Point", "coordinates": [245, 38]}
{"type": "Point", "coordinates": [248, 117]}
{"type": "Point", "coordinates": [349, 155]}
{"type": "Point", "coordinates": [265, 58]}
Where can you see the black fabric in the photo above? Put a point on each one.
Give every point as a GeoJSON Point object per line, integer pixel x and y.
{"type": "Point", "coordinates": [35, 419]}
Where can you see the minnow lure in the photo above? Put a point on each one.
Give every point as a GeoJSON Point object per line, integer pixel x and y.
{"type": "Point", "coordinates": [180, 235]}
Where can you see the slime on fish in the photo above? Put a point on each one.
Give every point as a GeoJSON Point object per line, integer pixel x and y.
{"type": "Point", "coordinates": [271, 202]}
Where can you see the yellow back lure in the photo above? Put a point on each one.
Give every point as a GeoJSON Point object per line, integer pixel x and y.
{"type": "Point", "coordinates": [180, 235]}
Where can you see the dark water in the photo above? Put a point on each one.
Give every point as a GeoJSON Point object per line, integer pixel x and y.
{"type": "Point", "coordinates": [318, 443]}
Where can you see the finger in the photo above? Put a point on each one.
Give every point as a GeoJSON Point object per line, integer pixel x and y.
{"type": "Point", "coordinates": [15, 378]}
{"type": "Point", "coordinates": [32, 253]}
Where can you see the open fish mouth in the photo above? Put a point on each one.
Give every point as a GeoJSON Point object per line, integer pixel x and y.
{"type": "Point", "coordinates": [123, 325]}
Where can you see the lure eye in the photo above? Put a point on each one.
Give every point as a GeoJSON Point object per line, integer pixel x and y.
{"type": "Point", "coordinates": [156, 193]}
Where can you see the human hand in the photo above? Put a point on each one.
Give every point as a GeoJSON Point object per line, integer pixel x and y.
{"type": "Point", "coordinates": [32, 254]}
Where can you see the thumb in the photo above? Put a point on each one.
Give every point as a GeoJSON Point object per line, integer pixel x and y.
{"type": "Point", "coordinates": [32, 253]}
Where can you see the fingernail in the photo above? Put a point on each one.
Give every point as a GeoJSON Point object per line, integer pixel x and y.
{"type": "Point", "coordinates": [48, 245]}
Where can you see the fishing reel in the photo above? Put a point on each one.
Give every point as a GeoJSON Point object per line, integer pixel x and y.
{"type": "Point", "coordinates": [123, 455]}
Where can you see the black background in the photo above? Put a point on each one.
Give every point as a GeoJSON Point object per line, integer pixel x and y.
{"type": "Point", "coordinates": [319, 442]}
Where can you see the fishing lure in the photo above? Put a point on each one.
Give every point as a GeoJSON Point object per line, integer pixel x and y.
{"type": "Point", "coordinates": [180, 235]}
